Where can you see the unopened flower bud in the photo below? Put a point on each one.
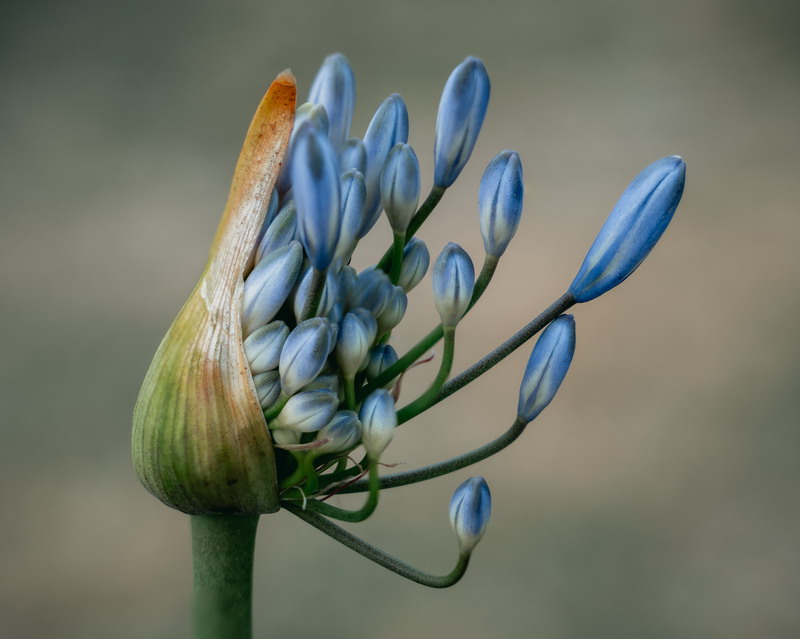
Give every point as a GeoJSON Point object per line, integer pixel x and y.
{"type": "Point", "coordinates": [632, 228]}
{"type": "Point", "coordinates": [315, 115]}
{"type": "Point", "coordinates": [342, 432]}
{"type": "Point", "coordinates": [263, 347]}
{"type": "Point", "coordinates": [352, 345]}
{"type": "Point", "coordinates": [353, 155]}
{"type": "Point", "coordinates": [334, 87]}
{"type": "Point", "coordinates": [394, 311]}
{"type": "Point", "coordinates": [470, 509]}
{"type": "Point", "coordinates": [381, 357]}
{"type": "Point", "coordinates": [354, 195]}
{"type": "Point", "coordinates": [324, 382]}
{"type": "Point", "coordinates": [280, 233]}
{"type": "Point", "coordinates": [304, 353]}
{"type": "Point", "coordinates": [500, 202]}
{"type": "Point", "coordinates": [308, 411]}
{"type": "Point", "coordinates": [268, 286]}
{"type": "Point", "coordinates": [547, 367]}
{"type": "Point", "coordinates": [453, 283]}
{"type": "Point", "coordinates": [369, 322]}
{"type": "Point", "coordinates": [268, 388]}
{"type": "Point", "coordinates": [400, 186]}
{"type": "Point", "coordinates": [372, 291]}
{"type": "Point", "coordinates": [378, 421]}
{"type": "Point", "coordinates": [416, 260]}
{"type": "Point", "coordinates": [461, 111]}
{"type": "Point", "coordinates": [330, 293]}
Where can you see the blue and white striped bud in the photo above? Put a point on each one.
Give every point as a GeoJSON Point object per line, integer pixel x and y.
{"type": "Point", "coordinates": [314, 114]}
{"type": "Point", "coordinates": [389, 126]}
{"type": "Point", "coordinates": [330, 293]}
{"type": "Point", "coordinates": [282, 231]}
{"type": "Point", "coordinates": [378, 421]}
{"type": "Point", "coordinates": [354, 196]}
{"type": "Point", "coordinates": [353, 155]}
{"type": "Point", "coordinates": [304, 353]}
{"type": "Point", "coordinates": [325, 382]}
{"type": "Point", "coordinates": [394, 311]}
{"type": "Point", "coordinates": [268, 388]}
{"type": "Point", "coordinates": [500, 202]}
{"type": "Point", "coordinates": [343, 433]}
{"type": "Point", "coordinates": [334, 87]}
{"type": "Point", "coordinates": [632, 228]}
{"type": "Point", "coordinates": [352, 345]}
{"type": "Point", "coordinates": [372, 291]}
{"type": "Point", "coordinates": [400, 186]}
{"type": "Point", "coordinates": [316, 187]}
{"type": "Point", "coordinates": [416, 260]}
{"type": "Point", "coordinates": [546, 368]}
{"type": "Point", "coordinates": [308, 411]}
{"type": "Point", "coordinates": [461, 112]}
{"type": "Point", "coordinates": [381, 357]}
{"type": "Point", "coordinates": [453, 283]}
{"type": "Point", "coordinates": [268, 286]}
{"type": "Point", "coordinates": [263, 347]}
{"type": "Point", "coordinates": [470, 510]}
{"type": "Point", "coordinates": [369, 322]}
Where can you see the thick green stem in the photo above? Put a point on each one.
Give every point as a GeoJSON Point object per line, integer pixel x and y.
{"type": "Point", "coordinates": [222, 560]}
{"type": "Point", "coordinates": [397, 256]}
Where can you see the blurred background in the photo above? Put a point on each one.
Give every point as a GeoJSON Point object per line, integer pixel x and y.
{"type": "Point", "coordinates": [656, 497]}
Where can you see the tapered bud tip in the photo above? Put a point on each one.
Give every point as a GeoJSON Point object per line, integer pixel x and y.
{"type": "Point", "coordinates": [547, 367]}
{"type": "Point", "coordinates": [453, 283]}
{"type": "Point", "coordinates": [378, 421]}
{"type": "Point", "coordinates": [500, 202]}
{"type": "Point", "coordinates": [632, 228]}
{"type": "Point", "coordinates": [335, 88]}
{"type": "Point", "coordinates": [470, 510]}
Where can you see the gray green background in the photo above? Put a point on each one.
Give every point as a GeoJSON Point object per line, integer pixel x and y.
{"type": "Point", "coordinates": [655, 498]}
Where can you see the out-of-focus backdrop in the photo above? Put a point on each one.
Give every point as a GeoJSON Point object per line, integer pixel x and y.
{"type": "Point", "coordinates": [656, 497]}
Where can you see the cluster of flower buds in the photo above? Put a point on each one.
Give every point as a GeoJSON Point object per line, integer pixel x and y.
{"type": "Point", "coordinates": [316, 332]}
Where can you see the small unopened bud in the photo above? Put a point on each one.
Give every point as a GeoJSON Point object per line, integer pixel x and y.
{"type": "Point", "coordinates": [280, 233]}
{"type": "Point", "coordinates": [416, 260]}
{"type": "Point", "coordinates": [330, 293]}
{"type": "Point", "coordinates": [334, 87]}
{"type": "Point", "coordinates": [315, 115]}
{"type": "Point", "coordinates": [547, 367]}
{"type": "Point", "coordinates": [500, 202]}
{"type": "Point", "coordinates": [632, 228]}
{"type": "Point", "coordinates": [304, 353]}
{"type": "Point", "coordinates": [268, 388]}
{"type": "Point", "coordinates": [263, 347]}
{"type": "Point", "coordinates": [400, 186]}
{"type": "Point", "coordinates": [381, 357]}
{"type": "Point", "coordinates": [268, 286]}
{"type": "Point", "coordinates": [378, 421]}
{"type": "Point", "coordinates": [354, 195]}
{"type": "Point", "coordinates": [461, 111]}
{"type": "Point", "coordinates": [342, 432]}
{"type": "Point", "coordinates": [308, 411]}
{"type": "Point", "coordinates": [470, 509]}
{"type": "Point", "coordinates": [353, 155]}
{"type": "Point", "coordinates": [352, 345]}
{"type": "Point", "coordinates": [316, 188]}
{"type": "Point", "coordinates": [372, 291]}
{"type": "Point", "coordinates": [453, 283]}
{"type": "Point", "coordinates": [394, 311]}
{"type": "Point", "coordinates": [324, 382]}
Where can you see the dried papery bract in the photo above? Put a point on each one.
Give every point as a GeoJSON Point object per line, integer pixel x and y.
{"type": "Point", "coordinates": [200, 442]}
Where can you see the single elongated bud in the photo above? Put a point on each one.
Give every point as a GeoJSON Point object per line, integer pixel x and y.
{"type": "Point", "coordinates": [316, 188]}
{"type": "Point", "coordinates": [342, 432]}
{"type": "Point", "coordinates": [314, 114]}
{"type": "Point", "coordinates": [400, 186]}
{"type": "Point", "coordinates": [354, 196]}
{"type": "Point", "coordinates": [334, 87]}
{"type": "Point", "coordinates": [199, 438]}
{"type": "Point", "coordinates": [263, 347]}
{"type": "Point", "coordinates": [389, 126]}
{"type": "Point", "coordinates": [416, 260]}
{"type": "Point", "coordinates": [280, 233]}
{"type": "Point", "coordinates": [500, 202]}
{"type": "Point", "coordinates": [352, 345]}
{"type": "Point", "coordinates": [381, 357]}
{"type": "Point", "coordinates": [304, 353]}
{"type": "Point", "coordinates": [330, 293]}
{"type": "Point", "coordinates": [308, 411]}
{"type": "Point", "coordinates": [353, 155]}
{"type": "Point", "coordinates": [268, 387]}
{"type": "Point", "coordinates": [394, 312]}
{"type": "Point", "coordinates": [632, 229]}
{"type": "Point", "coordinates": [268, 286]}
{"type": "Point", "coordinates": [461, 112]}
{"type": "Point", "coordinates": [378, 421]}
{"type": "Point", "coordinates": [547, 367]}
{"type": "Point", "coordinates": [470, 510]}
{"type": "Point", "coordinates": [453, 283]}
{"type": "Point", "coordinates": [369, 321]}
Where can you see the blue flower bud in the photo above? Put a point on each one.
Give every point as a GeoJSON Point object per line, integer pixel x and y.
{"type": "Point", "coordinates": [500, 202]}
{"type": "Point", "coordinates": [353, 155]}
{"type": "Point", "coordinates": [378, 421]}
{"type": "Point", "coordinates": [263, 347]}
{"type": "Point", "coordinates": [415, 264]}
{"type": "Point", "coordinates": [400, 186]}
{"type": "Point", "coordinates": [316, 186]}
{"type": "Point", "coordinates": [369, 321]}
{"type": "Point", "coordinates": [268, 388]}
{"type": "Point", "coordinates": [453, 282]}
{"type": "Point", "coordinates": [308, 411]}
{"type": "Point", "coordinates": [304, 353]}
{"type": "Point", "coordinates": [325, 382]}
{"type": "Point", "coordinates": [342, 433]}
{"type": "Point", "coordinates": [381, 357]}
{"type": "Point", "coordinates": [330, 293]}
{"type": "Point", "coordinates": [394, 311]}
{"type": "Point", "coordinates": [282, 231]}
{"type": "Point", "coordinates": [268, 286]}
{"type": "Point", "coordinates": [347, 282]}
{"type": "Point", "coordinates": [461, 112]}
{"type": "Point", "coordinates": [470, 509]}
{"type": "Point", "coordinates": [632, 228]}
{"type": "Point", "coordinates": [372, 291]}
{"type": "Point", "coordinates": [335, 89]}
{"type": "Point", "coordinates": [547, 367]}
{"type": "Point", "coordinates": [352, 345]}
{"type": "Point", "coordinates": [389, 126]}
{"type": "Point", "coordinates": [354, 195]}
{"type": "Point", "coordinates": [314, 114]}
